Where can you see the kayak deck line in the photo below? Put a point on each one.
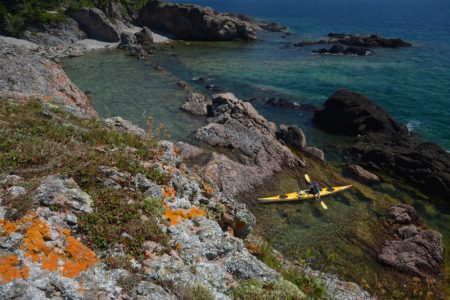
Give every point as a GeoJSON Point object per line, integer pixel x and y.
{"type": "Point", "coordinates": [303, 195]}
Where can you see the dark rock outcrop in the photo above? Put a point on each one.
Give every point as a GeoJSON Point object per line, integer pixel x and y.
{"type": "Point", "coordinates": [236, 125]}
{"type": "Point", "coordinates": [339, 49]}
{"type": "Point", "coordinates": [384, 144]}
{"type": "Point", "coordinates": [350, 113]}
{"type": "Point", "coordinates": [192, 22]}
{"type": "Point", "coordinates": [96, 25]}
{"type": "Point", "coordinates": [359, 41]}
{"type": "Point", "coordinates": [372, 41]}
{"type": "Point", "coordinates": [412, 250]}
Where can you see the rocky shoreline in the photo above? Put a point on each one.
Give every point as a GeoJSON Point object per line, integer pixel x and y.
{"type": "Point", "coordinates": [205, 252]}
{"type": "Point", "coordinates": [247, 151]}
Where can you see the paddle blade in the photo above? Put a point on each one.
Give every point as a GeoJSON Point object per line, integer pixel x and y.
{"type": "Point", "coordinates": [324, 206]}
{"type": "Point", "coordinates": [307, 178]}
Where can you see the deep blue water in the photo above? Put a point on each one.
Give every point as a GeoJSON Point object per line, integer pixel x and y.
{"type": "Point", "coordinates": [413, 84]}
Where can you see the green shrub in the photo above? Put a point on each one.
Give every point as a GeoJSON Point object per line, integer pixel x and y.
{"type": "Point", "coordinates": [257, 290]}
{"type": "Point", "coordinates": [197, 292]}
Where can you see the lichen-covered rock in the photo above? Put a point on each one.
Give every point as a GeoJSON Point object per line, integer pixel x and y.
{"type": "Point", "coordinates": [150, 291]}
{"type": "Point", "coordinates": [25, 74]}
{"type": "Point", "coordinates": [208, 256]}
{"type": "Point", "coordinates": [124, 126]}
{"type": "Point", "coordinates": [189, 151]}
{"type": "Point", "coordinates": [63, 192]}
{"type": "Point", "coordinates": [169, 154]}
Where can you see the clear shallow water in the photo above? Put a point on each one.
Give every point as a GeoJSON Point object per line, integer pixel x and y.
{"type": "Point", "coordinates": [413, 84]}
{"type": "Point", "coordinates": [120, 85]}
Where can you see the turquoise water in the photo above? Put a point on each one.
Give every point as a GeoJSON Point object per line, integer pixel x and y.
{"type": "Point", "coordinates": [413, 84]}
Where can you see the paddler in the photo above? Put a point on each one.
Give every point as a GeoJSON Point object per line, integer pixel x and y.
{"type": "Point", "coordinates": [316, 189]}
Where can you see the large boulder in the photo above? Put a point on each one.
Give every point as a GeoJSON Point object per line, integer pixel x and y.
{"type": "Point", "coordinates": [236, 125]}
{"type": "Point", "coordinates": [385, 145]}
{"type": "Point", "coordinates": [192, 22]}
{"type": "Point", "coordinates": [350, 113]}
{"type": "Point", "coordinates": [412, 250]}
{"type": "Point", "coordinates": [292, 136]}
{"type": "Point", "coordinates": [196, 104]}
{"type": "Point", "coordinates": [96, 25]}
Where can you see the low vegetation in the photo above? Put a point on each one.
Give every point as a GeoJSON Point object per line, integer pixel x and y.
{"type": "Point", "coordinates": [36, 143]}
{"type": "Point", "coordinates": [295, 275]}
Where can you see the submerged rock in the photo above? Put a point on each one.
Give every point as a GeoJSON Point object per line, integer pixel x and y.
{"type": "Point", "coordinates": [339, 49]}
{"type": "Point", "coordinates": [192, 22]}
{"type": "Point", "coordinates": [363, 173]}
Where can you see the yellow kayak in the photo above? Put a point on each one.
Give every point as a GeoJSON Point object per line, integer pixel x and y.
{"type": "Point", "coordinates": [303, 195]}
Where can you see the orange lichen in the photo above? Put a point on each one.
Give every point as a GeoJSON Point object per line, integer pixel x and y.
{"type": "Point", "coordinates": [11, 269]}
{"type": "Point", "coordinates": [51, 262]}
{"type": "Point", "coordinates": [69, 260]}
{"type": "Point", "coordinates": [8, 227]}
{"type": "Point", "coordinates": [178, 215]}
{"type": "Point", "coordinates": [80, 258]}
{"type": "Point", "coordinates": [169, 192]}
{"type": "Point", "coordinates": [34, 240]}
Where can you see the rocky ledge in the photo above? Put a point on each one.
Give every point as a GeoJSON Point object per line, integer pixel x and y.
{"type": "Point", "coordinates": [255, 154]}
{"type": "Point", "coordinates": [412, 250]}
{"type": "Point", "coordinates": [26, 72]}
{"type": "Point", "coordinates": [192, 22]}
{"type": "Point", "coordinates": [383, 144]}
